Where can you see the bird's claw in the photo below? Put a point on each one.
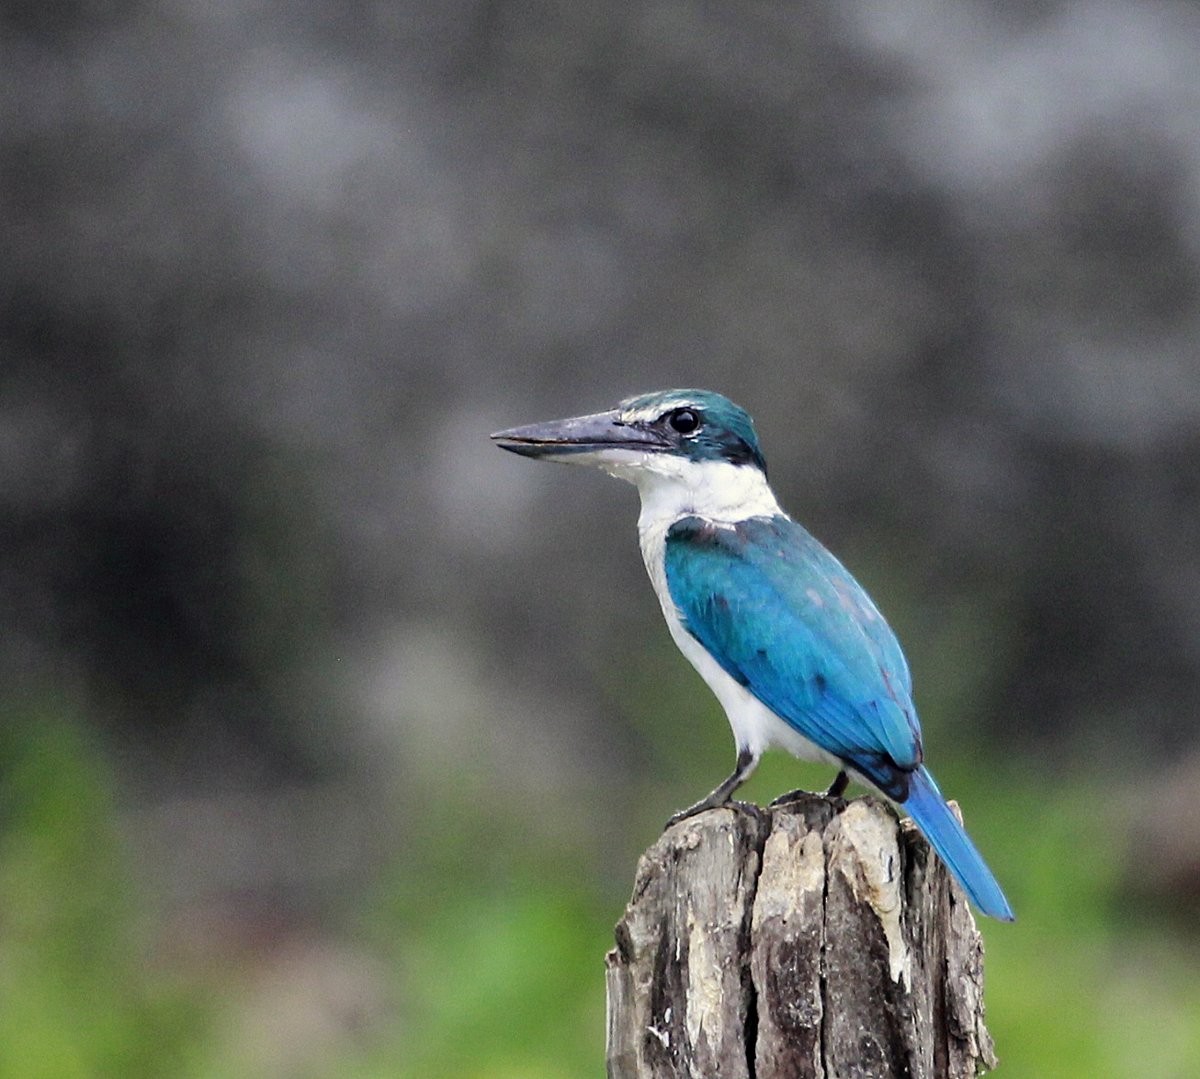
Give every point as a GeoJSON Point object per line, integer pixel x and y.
{"type": "Point", "coordinates": [706, 804]}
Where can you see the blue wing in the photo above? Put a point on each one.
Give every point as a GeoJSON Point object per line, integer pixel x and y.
{"type": "Point", "coordinates": [782, 616]}
{"type": "Point", "coordinates": [785, 619]}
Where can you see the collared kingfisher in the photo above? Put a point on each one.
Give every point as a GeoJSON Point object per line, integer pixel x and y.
{"type": "Point", "coordinates": [794, 649]}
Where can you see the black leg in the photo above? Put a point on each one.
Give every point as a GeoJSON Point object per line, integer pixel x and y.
{"type": "Point", "coordinates": [838, 787]}
{"type": "Point", "coordinates": [746, 763]}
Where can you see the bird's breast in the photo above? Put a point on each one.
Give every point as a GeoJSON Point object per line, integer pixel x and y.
{"type": "Point", "coordinates": [652, 538]}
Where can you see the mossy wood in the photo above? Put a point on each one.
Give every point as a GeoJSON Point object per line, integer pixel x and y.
{"type": "Point", "coordinates": [816, 939]}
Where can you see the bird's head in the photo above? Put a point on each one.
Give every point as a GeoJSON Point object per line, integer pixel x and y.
{"type": "Point", "coordinates": [658, 433]}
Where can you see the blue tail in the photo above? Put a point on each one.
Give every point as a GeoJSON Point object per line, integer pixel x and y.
{"type": "Point", "coordinates": [928, 808]}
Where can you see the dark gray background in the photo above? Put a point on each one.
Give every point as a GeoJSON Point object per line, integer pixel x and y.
{"type": "Point", "coordinates": [271, 274]}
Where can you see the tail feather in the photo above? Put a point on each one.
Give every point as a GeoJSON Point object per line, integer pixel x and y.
{"type": "Point", "coordinates": [947, 836]}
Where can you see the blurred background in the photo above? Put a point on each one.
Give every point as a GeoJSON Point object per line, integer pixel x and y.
{"type": "Point", "coordinates": [329, 735]}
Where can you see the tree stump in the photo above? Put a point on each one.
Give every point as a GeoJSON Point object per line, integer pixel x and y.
{"type": "Point", "coordinates": [816, 939]}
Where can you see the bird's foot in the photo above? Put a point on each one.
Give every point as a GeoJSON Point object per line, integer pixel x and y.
{"type": "Point", "coordinates": [705, 803]}
{"type": "Point", "coordinates": [709, 803]}
{"type": "Point", "coordinates": [836, 790]}
{"type": "Point", "coordinates": [746, 763]}
{"type": "Point", "coordinates": [792, 796]}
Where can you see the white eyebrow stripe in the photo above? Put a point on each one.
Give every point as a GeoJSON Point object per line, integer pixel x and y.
{"type": "Point", "coordinates": [652, 412]}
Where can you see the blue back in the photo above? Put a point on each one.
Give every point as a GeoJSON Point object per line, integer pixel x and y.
{"type": "Point", "coordinates": [784, 618]}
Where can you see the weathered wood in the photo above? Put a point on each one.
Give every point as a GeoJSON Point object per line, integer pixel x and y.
{"type": "Point", "coordinates": [816, 939]}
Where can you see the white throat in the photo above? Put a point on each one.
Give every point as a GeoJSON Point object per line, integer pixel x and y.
{"type": "Point", "coordinates": [673, 487]}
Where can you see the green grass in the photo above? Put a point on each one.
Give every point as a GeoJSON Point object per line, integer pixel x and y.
{"type": "Point", "coordinates": [491, 940]}
{"type": "Point", "coordinates": [1078, 987]}
{"type": "Point", "coordinates": [77, 996]}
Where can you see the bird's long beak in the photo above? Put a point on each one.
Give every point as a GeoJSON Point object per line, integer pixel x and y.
{"type": "Point", "coordinates": [578, 435]}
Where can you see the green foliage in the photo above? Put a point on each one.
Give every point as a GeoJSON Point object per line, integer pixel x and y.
{"type": "Point", "coordinates": [1077, 987]}
{"type": "Point", "coordinates": [76, 997]}
{"type": "Point", "coordinates": [497, 945]}
{"type": "Point", "coordinates": [491, 938]}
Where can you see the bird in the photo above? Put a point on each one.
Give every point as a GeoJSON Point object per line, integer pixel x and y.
{"type": "Point", "coordinates": [791, 645]}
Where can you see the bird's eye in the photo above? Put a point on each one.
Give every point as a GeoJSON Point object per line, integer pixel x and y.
{"type": "Point", "coordinates": [684, 420]}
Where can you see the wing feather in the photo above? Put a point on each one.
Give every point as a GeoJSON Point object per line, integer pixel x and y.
{"type": "Point", "coordinates": [782, 616]}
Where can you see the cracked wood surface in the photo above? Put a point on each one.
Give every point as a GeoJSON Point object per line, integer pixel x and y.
{"type": "Point", "coordinates": [816, 939]}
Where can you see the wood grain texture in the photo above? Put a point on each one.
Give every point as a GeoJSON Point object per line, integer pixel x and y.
{"type": "Point", "coordinates": [816, 939]}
